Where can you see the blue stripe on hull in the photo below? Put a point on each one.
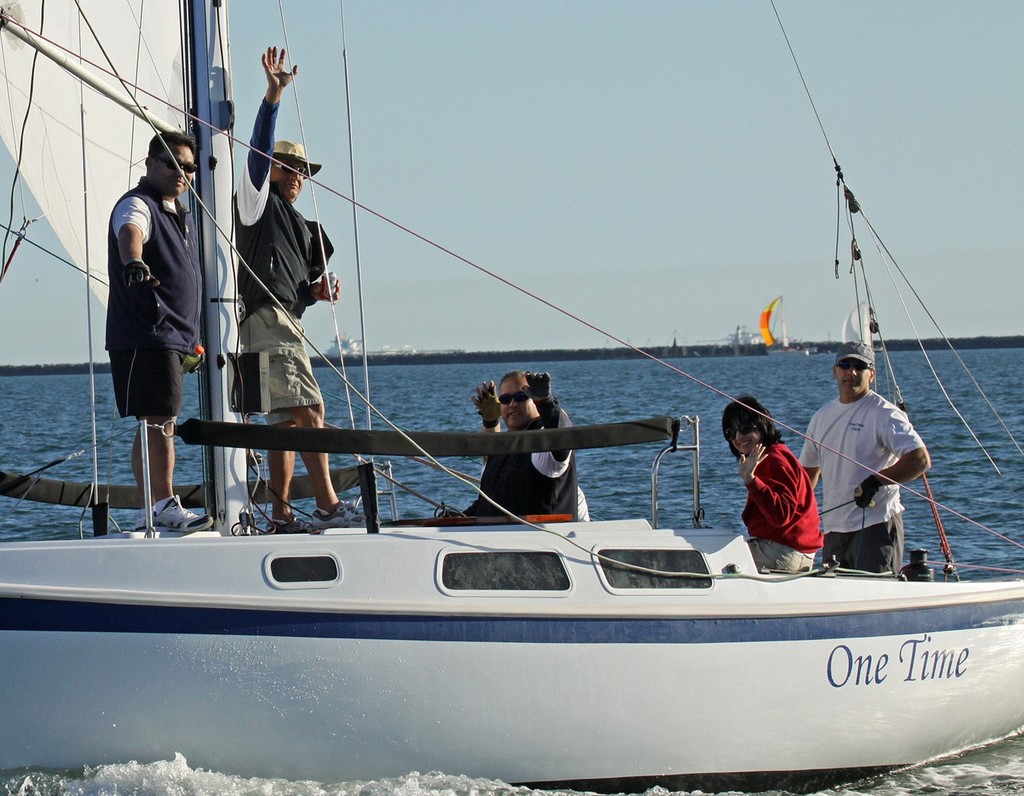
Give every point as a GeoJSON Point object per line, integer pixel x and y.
{"type": "Point", "coordinates": [85, 617]}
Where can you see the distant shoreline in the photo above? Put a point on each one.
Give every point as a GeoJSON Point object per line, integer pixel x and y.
{"type": "Point", "coordinates": [572, 354]}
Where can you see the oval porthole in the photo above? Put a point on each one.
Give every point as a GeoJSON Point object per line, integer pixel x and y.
{"type": "Point", "coordinates": [296, 570]}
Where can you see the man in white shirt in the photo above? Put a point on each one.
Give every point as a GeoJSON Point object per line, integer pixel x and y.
{"type": "Point", "coordinates": [863, 447]}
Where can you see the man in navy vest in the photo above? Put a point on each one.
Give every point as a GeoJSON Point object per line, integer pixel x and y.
{"type": "Point", "coordinates": [153, 316]}
{"type": "Point", "coordinates": [526, 483]}
{"type": "Point", "coordinates": [283, 271]}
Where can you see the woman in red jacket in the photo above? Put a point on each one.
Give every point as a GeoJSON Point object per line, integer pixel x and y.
{"type": "Point", "coordinates": [781, 514]}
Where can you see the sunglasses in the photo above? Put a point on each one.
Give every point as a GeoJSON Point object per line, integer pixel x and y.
{"type": "Point", "coordinates": [302, 171]}
{"type": "Point", "coordinates": [174, 165]}
{"type": "Point", "coordinates": [742, 428]}
{"type": "Point", "coordinates": [507, 398]}
{"type": "Point", "coordinates": [849, 364]}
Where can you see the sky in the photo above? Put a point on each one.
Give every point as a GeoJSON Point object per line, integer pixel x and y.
{"type": "Point", "coordinates": [651, 171]}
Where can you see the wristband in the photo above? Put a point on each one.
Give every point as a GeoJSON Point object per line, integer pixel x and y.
{"type": "Point", "coordinates": [490, 424]}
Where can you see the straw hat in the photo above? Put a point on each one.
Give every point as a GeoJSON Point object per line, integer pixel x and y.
{"type": "Point", "coordinates": [288, 150]}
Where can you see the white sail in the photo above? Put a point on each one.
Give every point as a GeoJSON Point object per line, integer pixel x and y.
{"type": "Point", "coordinates": [856, 327]}
{"type": "Point", "coordinates": [77, 151]}
{"type": "Point", "coordinates": [74, 78]}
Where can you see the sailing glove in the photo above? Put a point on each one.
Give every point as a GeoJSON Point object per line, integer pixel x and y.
{"type": "Point", "coordinates": [538, 385]}
{"type": "Point", "coordinates": [137, 272]}
{"type": "Point", "coordinates": [864, 495]}
{"type": "Point", "coordinates": [488, 405]}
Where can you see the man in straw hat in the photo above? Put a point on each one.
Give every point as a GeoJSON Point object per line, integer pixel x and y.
{"type": "Point", "coordinates": [863, 447]}
{"type": "Point", "coordinates": [283, 271]}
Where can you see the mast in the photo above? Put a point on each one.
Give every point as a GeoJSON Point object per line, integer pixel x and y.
{"type": "Point", "coordinates": [211, 95]}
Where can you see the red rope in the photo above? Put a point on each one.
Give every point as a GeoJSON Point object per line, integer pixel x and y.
{"type": "Point", "coordinates": [10, 258]}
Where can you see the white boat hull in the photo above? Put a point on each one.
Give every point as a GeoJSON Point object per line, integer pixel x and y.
{"type": "Point", "coordinates": [152, 647]}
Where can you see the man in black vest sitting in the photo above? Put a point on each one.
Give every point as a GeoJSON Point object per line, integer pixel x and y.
{"type": "Point", "coordinates": [284, 270]}
{"type": "Point", "coordinates": [526, 483]}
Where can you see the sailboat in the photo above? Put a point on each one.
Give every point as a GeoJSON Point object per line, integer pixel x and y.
{"type": "Point", "coordinates": [431, 644]}
{"type": "Point", "coordinates": [775, 312]}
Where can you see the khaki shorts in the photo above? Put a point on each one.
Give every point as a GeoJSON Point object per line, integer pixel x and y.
{"type": "Point", "coordinates": [292, 383]}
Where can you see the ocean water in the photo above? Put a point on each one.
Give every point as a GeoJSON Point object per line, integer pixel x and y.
{"type": "Point", "coordinates": [977, 478]}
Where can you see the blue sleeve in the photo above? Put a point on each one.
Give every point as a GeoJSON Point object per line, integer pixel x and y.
{"type": "Point", "coordinates": [262, 143]}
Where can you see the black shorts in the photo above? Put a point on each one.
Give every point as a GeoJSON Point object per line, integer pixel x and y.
{"type": "Point", "coordinates": [876, 548]}
{"type": "Point", "coordinates": [147, 383]}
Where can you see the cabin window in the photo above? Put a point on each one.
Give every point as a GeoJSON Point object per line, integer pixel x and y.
{"type": "Point", "coordinates": [690, 562]}
{"type": "Point", "coordinates": [505, 571]}
{"type": "Point", "coordinates": [304, 570]}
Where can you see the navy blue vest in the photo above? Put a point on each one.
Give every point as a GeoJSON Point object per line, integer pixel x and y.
{"type": "Point", "coordinates": [166, 316]}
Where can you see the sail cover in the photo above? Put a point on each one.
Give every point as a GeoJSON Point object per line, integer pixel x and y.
{"type": "Point", "coordinates": [766, 322]}
{"type": "Point", "coordinates": [77, 150]}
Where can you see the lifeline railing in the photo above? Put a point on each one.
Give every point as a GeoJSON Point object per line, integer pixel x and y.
{"type": "Point", "coordinates": [693, 423]}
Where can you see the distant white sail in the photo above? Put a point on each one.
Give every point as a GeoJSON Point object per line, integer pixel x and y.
{"type": "Point", "coordinates": [856, 327]}
{"type": "Point", "coordinates": [143, 43]}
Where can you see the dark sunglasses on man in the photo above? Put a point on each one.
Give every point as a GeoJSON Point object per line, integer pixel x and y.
{"type": "Point", "coordinates": [174, 165]}
{"type": "Point", "coordinates": [519, 397]}
{"type": "Point", "coordinates": [853, 364]}
{"type": "Point", "coordinates": [294, 168]}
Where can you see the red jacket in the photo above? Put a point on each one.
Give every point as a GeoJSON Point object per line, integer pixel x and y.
{"type": "Point", "coordinates": [780, 502]}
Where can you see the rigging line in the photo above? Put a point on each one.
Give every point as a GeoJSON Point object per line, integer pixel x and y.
{"type": "Point", "coordinates": [807, 91]}
{"type": "Point", "coordinates": [15, 180]}
{"type": "Point", "coordinates": [320, 233]}
{"type": "Point", "coordinates": [90, 347]}
{"type": "Point", "coordinates": [56, 256]}
{"type": "Point", "coordinates": [945, 339]}
{"type": "Point", "coordinates": [138, 60]}
{"type": "Point", "coordinates": [20, 236]}
{"type": "Point", "coordinates": [113, 70]}
{"type": "Point", "coordinates": [1005, 570]}
{"type": "Point", "coordinates": [355, 214]}
{"type": "Point", "coordinates": [886, 258]}
{"type": "Point", "coordinates": [853, 206]}
{"type": "Point", "coordinates": [20, 184]}
{"type": "Point", "coordinates": [947, 551]}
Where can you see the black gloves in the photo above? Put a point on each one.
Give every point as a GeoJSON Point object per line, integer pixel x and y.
{"type": "Point", "coordinates": [538, 385]}
{"type": "Point", "coordinates": [137, 272]}
{"type": "Point", "coordinates": [864, 495]}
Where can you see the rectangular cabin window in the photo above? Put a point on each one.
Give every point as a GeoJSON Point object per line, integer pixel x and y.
{"type": "Point", "coordinates": [504, 571]}
{"type": "Point", "coordinates": [688, 562]}
{"type": "Point", "coordinates": [304, 569]}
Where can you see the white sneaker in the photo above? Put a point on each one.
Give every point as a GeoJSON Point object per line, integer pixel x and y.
{"type": "Point", "coordinates": [174, 517]}
{"type": "Point", "coordinates": [344, 515]}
